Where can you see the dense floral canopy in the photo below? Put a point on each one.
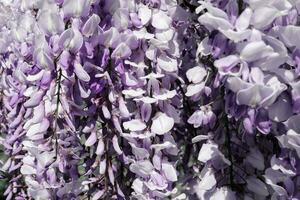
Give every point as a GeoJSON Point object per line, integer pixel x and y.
{"type": "Point", "coordinates": [150, 99]}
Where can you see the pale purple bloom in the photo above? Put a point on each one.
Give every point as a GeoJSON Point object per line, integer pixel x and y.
{"type": "Point", "coordinates": [150, 99]}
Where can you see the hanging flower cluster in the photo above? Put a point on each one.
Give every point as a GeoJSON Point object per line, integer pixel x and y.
{"type": "Point", "coordinates": [150, 99]}
{"type": "Point", "coordinates": [253, 47]}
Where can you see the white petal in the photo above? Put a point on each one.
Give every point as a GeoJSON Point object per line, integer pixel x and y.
{"type": "Point", "coordinates": [76, 8]}
{"type": "Point", "coordinates": [165, 145]}
{"type": "Point", "coordinates": [38, 128]}
{"type": "Point", "coordinates": [281, 110]}
{"type": "Point", "coordinates": [84, 93]}
{"type": "Point", "coordinates": [236, 84]}
{"type": "Point", "coordinates": [263, 16]}
{"type": "Point", "coordinates": [162, 124]}
{"type": "Point", "coordinates": [253, 95]}
{"type": "Point", "coordinates": [45, 158]}
{"type": "Point", "coordinates": [98, 195]}
{"type": "Point", "coordinates": [28, 170]}
{"type": "Point", "coordinates": [143, 34]}
{"type": "Point", "coordinates": [50, 22]}
{"type": "Point", "coordinates": [91, 25]}
{"type": "Point", "coordinates": [144, 14]}
{"type": "Point", "coordinates": [169, 171]}
{"type": "Point", "coordinates": [122, 51]}
{"type": "Point", "coordinates": [36, 77]}
{"type": "Point", "coordinates": [255, 51]}
{"type": "Point", "coordinates": [110, 37]}
{"type": "Point", "coordinates": [214, 22]}
{"type": "Point", "coordinates": [291, 141]}
{"type": "Point", "coordinates": [243, 20]}
{"type": "Point", "coordinates": [137, 186]}
{"type": "Point", "coordinates": [100, 147]}
{"type": "Point", "coordinates": [131, 93]}
{"type": "Point", "coordinates": [223, 193]}
{"type": "Point", "coordinates": [289, 35]}
{"type": "Point", "coordinates": [116, 145]}
{"type": "Point", "coordinates": [153, 76]}
{"type": "Point", "coordinates": [164, 35]}
{"type": "Point", "coordinates": [71, 39]}
{"type": "Point", "coordinates": [160, 20]}
{"type": "Point", "coordinates": [121, 19]}
{"type": "Point", "coordinates": [142, 168]}
{"type": "Point", "coordinates": [212, 10]}
{"type": "Point", "coordinates": [134, 125]}
{"type": "Point", "coordinates": [236, 36]}
{"type": "Point", "coordinates": [207, 152]}
{"type": "Point", "coordinates": [196, 74]}
{"type": "Point", "coordinates": [147, 100]}
{"type": "Point", "coordinates": [208, 181]}
{"type": "Point", "coordinates": [223, 63]}
{"type": "Point", "coordinates": [166, 95]}
{"type": "Point", "coordinates": [140, 153]}
{"type": "Point", "coordinates": [194, 89]}
{"type": "Point", "coordinates": [92, 139]}
{"type": "Point", "coordinates": [199, 138]}
{"type": "Point", "coordinates": [43, 60]}
{"type": "Point", "coordinates": [30, 91]}
{"type": "Point", "coordinates": [166, 63]}
{"type": "Point", "coordinates": [204, 48]}
{"type": "Point", "coordinates": [254, 4]}
{"type": "Point", "coordinates": [80, 72]}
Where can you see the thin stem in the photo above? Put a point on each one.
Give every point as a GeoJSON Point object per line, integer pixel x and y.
{"type": "Point", "coordinates": [189, 146]}
{"type": "Point", "coordinates": [228, 140]}
{"type": "Point", "coordinates": [58, 81]}
{"type": "Point", "coordinates": [240, 5]}
{"type": "Point", "coordinates": [228, 144]}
